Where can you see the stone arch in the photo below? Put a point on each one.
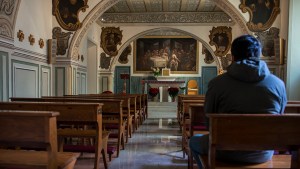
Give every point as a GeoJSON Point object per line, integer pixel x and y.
{"type": "Point", "coordinates": [124, 45]}
{"type": "Point", "coordinates": [102, 6]}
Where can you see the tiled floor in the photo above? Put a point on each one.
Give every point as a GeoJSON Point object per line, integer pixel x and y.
{"type": "Point", "coordinates": [156, 144]}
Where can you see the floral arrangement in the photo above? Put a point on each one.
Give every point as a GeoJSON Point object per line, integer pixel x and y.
{"type": "Point", "coordinates": [155, 70]}
{"type": "Point", "coordinates": [173, 91]}
{"type": "Point", "coordinates": [153, 91]}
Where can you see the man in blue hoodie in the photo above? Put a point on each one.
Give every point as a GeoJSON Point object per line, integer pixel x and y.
{"type": "Point", "coordinates": [247, 87]}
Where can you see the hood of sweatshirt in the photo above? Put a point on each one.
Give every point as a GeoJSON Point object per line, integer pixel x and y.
{"type": "Point", "coordinates": [248, 70]}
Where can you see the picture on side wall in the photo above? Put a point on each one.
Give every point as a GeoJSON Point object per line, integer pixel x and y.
{"type": "Point", "coordinates": [179, 54]}
{"type": "Point", "coordinates": [262, 13]}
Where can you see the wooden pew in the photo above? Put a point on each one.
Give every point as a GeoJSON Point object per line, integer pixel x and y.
{"type": "Point", "coordinates": [180, 105]}
{"type": "Point", "coordinates": [184, 110]}
{"type": "Point", "coordinates": [132, 117]}
{"type": "Point", "coordinates": [254, 132]}
{"type": "Point", "coordinates": [111, 108]}
{"type": "Point", "coordinates": [126, 106]}
{"type": "Point", "coordinates": [70, 114]}
{"type": "Point", "coordinates": [195, 124]}
{"type": "Point", "coordinates": [35, 129]}
{"type": "Point", "coordinates": [292, 106]}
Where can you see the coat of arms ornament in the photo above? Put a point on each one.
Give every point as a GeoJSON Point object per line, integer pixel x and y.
{"type": "Point", "coordinates": [262, 13]}
{"type": "Point", "coordinates": [62, 40]}
{"type": "Point", "coordinates": [66, 13]}
{"type": "Point", "coordinates": [111, 37]}
{"type": "Point", "coordinates": [221, 38]}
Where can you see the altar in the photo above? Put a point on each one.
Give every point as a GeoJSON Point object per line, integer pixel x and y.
{"type": "Point", "coordinates": [163, 86]}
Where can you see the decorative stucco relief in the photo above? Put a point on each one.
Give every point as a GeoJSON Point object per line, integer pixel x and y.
{"type": "Point", "coordinates": [267, 41]}
{"type": "Point", "coordinates": [171, 17]}
{"type": "Point", "coordinates": [62, 40]}
{"type": "Point", "coordinates": [8, 12]}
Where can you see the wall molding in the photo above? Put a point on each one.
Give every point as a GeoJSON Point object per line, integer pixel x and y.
{"type": "Point", "coordinates": [49, 80]}
{"type": "Point", "coordinates": [31, 55]}
{"type": "Point", "coordinates": [15, 64]}
{"type": "Point", "coordinates": [63, 69]}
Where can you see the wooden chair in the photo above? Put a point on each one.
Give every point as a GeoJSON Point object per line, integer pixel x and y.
{"type": "Point", "coordinates": [36, 130]}
{"type": "Point", "coordinates": [254, 132]}
{"type": "Point", "coordinates": [192, 87]}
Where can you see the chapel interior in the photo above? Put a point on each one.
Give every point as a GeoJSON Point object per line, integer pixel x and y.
{"type": "Point", "coordinates": [126, 48]}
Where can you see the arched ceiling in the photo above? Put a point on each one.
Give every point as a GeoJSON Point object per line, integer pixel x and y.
{"type": "Point", "coordinates": [165, 11]}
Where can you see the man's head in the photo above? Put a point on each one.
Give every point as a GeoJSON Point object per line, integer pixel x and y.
{"type": "Point", "coordinates": [245, 47]}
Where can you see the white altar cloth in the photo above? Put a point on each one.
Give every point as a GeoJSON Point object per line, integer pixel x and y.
{"type": "Point", "coordinates": [163, 88]}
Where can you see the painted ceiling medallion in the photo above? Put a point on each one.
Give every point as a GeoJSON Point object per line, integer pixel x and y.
{"type": "Point", "coordinates": [66, 13]}
{"type": "Point", "coordinates": [262, 13]}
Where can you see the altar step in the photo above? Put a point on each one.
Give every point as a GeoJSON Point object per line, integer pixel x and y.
{"type": "Point", "coordinates": [162, 109]}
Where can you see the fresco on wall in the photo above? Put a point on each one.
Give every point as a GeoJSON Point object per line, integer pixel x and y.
{"type": "Point", "coordinates": [66, 13]}
{"type": "Point", "coordinates": [262, 13]}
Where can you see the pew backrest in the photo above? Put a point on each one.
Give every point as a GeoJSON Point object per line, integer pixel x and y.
{"type": "Point", "coordinates": [253, 132]}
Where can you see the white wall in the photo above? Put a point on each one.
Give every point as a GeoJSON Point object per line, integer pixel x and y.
{"type": "Point", "coordinates": [293, 74]}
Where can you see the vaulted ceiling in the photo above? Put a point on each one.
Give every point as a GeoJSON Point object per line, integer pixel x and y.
{"type": "Point", "coordinates": [165, 11]}
{"type": "Point", "coordinates": [142, 6]}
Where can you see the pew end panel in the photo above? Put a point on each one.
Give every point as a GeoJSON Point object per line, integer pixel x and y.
{"type": "Point", "coordinates": [31, 130]}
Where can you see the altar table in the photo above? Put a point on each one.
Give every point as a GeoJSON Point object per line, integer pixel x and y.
{"type": "Point", "coordinates": [163, 87]}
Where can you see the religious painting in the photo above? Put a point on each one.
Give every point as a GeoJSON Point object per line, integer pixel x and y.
{"type": "Point", "coordinates": [66, 13]}
{"type": "Point", "coordinates": [123, 59]}
{"type": "Point", "coordinates": [262, 13]}
{"type": "Point", "coordinates": [208, 58]}
{"type": "Point", "coordinates": [221, 38]}
{"type": "Point", "coordinates": [178, 53]}
{"type": "Point", "coordinates": [267, 41]}
{"type": "Point", "coordinates": [111, 37]}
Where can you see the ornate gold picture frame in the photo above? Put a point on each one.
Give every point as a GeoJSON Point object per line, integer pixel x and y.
{"type": "Point", "coordinates": [111, 37]}
{"type": "Point", "coordinates": [221, 38]}
{"type": "Point", "coordinates": [262, 13]}
{"type": "Point", "coordinates": [66, 13]}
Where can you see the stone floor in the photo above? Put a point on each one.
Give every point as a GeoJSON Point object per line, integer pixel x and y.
{"type": "Point", "coordinates": [156, 143]}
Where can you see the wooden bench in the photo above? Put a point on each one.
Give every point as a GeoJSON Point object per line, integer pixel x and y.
{"type": "Point", "coordinates": [184, 110]}
{"type": "Point", "coordinates": [292, 107]}
{"type": "Point", "coordinates": [36, 129]}
{"type": "Point", "coordinates": [112, 114]}
{"type": "Point", "coordinates": [254, 132]}
{"type": "Point", "coordinates": [128, 118]}
{"type": "Point", "coordinates": [194, 124]}
{"type": "Point", "coordinates": [71, 114]}
{"type": "Point", "coordinates": [181, 99]}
